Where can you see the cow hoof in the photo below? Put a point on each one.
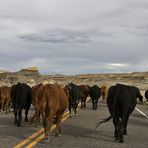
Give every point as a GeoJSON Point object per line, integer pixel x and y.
{"type": "Point", "coordinates": [70, 116]}
{"type": "Point", "coordinates": [121, 141]}
{"type": "Point", "coordinates": [26, 120]}
{"type": "Point", "coordinates": [57, 135]}
{"type": "Point", "coordinates": [47, 140]}
{"type": "Point", "coordinates": [125, 132]}
{"type": "Point", "coordinates": [116, 139]}
{"type": "Point", "coordinates": [15, 122]}
{"type": "Point", "coordinates": [18, 124]}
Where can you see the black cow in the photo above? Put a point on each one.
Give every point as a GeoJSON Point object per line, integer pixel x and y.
{"type": "Point", "coordinates": [74, 97]}
{"type": "Point", "coordinates": [21, 99]}
{"type": "Point", "coordinates": [121, 102]}
{"type": "Point", "coordinates": [94, 93]}
{"type": "Point", "coordinates": [146, 95]}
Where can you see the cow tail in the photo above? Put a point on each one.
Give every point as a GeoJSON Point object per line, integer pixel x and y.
{"type": "Point", "coordinates": [105, 120]}
{"type": "Point", "coordinates": [117, 91]}
{"type": "Point", "coordinates": [18, 97]}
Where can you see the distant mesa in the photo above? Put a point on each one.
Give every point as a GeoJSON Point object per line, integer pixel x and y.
{"type": "Point", "coordinates": [31, 69]}
{"type": "Point", "coordinates": [3, 71]}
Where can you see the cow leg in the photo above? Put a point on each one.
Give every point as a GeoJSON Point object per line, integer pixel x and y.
{"type": "Point", "coordinates": [38, 119]}
{"type": "Point", "coordinates": [26, 113]}
{"type": "Point", "coordinates": [15, 116]}
{"type": "Point", "coordinates": [19, 111]}
{"type": "Point", "coordinates": [58, 121]}
{"type": "Point", "coordinates": [75, 109]}
{"type": "Point", "coordinates": [45, 125]}
{"type": "Point", "coordinates": [37, 116]}
{"type": "Point", "coordinates": [116, 125]}
{"type": "Point", "coordinates": [2, 105]}
{"type": "Point", "coordinates": [47, 122]}
{"type": "Point", "coordinates": [32, 119]}
{"type": "Point", "coordinates": [122, 128]}
{"type": "Point", "coordinates": [69, 107]}
{"type": "Point", "coordinates": [119, 128]}
{"type": "Point", "coordinates": [120, 133]}
{"type": "Point", "coordinates": [6, 107]}
{"type": "Point", "coordinates": [84, 102]}
{"type": "Point", "coordinates": [93, 104]}
{"type": "Point", "coordinates": [124, 122]}
{"type": "Point", "coordinates": [102, 98]}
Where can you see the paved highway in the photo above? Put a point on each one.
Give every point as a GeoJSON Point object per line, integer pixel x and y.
{"type": "Point", "coordinates": [77, 132]}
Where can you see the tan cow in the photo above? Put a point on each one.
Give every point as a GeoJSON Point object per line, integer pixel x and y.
{"type": "Point", "coordinates": [104, 93]}
{"type": "Point", "coordinates": [35, 91]}
{"type": "Point", "coordinates": [5, 98]}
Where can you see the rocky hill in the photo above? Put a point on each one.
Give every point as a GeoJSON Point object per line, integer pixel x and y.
{"type": "Point", "coordinates": [10, 78]}
{"type": "Point", "coordinates": [139, 79]}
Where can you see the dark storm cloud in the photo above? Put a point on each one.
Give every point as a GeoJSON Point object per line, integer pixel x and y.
{"type": "Point", "coordinates": [57, 36]}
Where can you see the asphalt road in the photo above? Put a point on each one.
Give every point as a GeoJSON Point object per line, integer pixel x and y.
{"type": "Point", "coordinates": [77, 132]}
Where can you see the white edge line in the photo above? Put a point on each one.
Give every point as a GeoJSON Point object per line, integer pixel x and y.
{"type": "Point", "coordinates": [141, 112]}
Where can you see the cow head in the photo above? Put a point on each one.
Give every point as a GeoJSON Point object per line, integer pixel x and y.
{"type": "Point", "coordinates": [138, 94]}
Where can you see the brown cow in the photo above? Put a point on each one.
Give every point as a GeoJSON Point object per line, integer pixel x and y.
{"type": "Point", "coordinates": [84, 92]}
{"type": "Point", "coordinates": [36, 97]}
{"type": "Point", "coordinates": [104, 93]}
{"type": "Point", "coordinates": [52, 104]}
{"type": "Point", "coordinates": [35, 91]}
{"type": "Point", "coordinates": [5, 98]}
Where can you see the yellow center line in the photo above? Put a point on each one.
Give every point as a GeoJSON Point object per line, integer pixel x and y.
{"type": "Point", "coordinates": [34, 135]}
{"type": "Point", "coordinates": [42, 136]}
{"type": "Point", "coordinates": [28, 139]}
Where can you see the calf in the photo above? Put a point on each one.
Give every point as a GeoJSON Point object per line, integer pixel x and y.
{"type": "Point", "coordinates": [94, 93]}
{"type": "Point", "coordinates": [21, 99]}
{"type": "Point", "coordinates": [121, 102]}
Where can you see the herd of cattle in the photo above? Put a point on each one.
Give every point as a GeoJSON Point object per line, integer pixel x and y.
{"type": "Point", "coordinates": [51, 100]}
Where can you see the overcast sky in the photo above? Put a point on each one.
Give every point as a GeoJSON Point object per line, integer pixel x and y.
{"type": "Point", "coordinates": [74, 36]}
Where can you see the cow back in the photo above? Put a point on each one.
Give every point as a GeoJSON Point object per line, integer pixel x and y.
{"type": "Point", "coordinates": [84, 90]}
{"type": "Point", "coordinates": [21, 95]}
{"type": "Point", "coordinates": [74, 93]}
{"type": "Point", "coordinates": [53, 98]}
{"type": "Point", "coordinates": [95, 92]}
